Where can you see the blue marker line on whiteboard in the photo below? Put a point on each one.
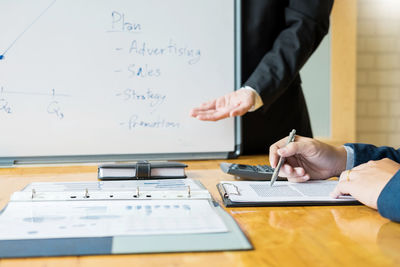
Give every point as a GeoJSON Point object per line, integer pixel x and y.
{"type": "Point", "coordinates": [27, 28]}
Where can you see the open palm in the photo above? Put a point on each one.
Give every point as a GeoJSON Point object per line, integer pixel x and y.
{"type": "Point", "coordinates": [233, 104]}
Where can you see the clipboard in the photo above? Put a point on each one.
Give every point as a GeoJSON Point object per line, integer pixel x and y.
{"type": "Point", "coordinates": [232, 239]}
{"type": "Point", "coordinates": [243, 194]}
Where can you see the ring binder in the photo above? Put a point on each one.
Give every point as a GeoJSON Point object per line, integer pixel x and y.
{"type": "Point", "coordinates": [200, 224]}
{"type": "Point", "coordinates": [137, 192]}
{"type": "Point", "coordinates": [113, 190]}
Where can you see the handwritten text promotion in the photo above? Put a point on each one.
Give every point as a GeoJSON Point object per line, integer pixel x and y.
{"type": "Point", "coordinates": [147, 58]}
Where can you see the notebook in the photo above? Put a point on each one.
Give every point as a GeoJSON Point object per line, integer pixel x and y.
{"type": "Point", "coordinates": [148, 170]}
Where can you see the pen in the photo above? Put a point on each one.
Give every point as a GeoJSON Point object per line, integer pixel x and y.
{"type": "Point", "coordinates": [282, 159]}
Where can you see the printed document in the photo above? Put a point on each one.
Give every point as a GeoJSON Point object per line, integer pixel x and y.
{"type": "Point", "coordinates": [125, 185]}
{"type": "Point", "coordinates": [101, 218]}
{"type": "Point", "coordinates": [282, 191]}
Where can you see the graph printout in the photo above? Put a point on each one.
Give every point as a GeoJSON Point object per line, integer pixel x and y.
{"type": "Point", "coordinates": [42, 220]}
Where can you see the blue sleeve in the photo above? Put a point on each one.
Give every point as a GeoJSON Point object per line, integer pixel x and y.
{"type": "Point", "coordinates": [365, 152]}
{"type": "Point", "coordinates": [389, 199]}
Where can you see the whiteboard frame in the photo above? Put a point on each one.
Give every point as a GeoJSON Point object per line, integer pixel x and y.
{"type": "Point", "coordinates": [11, 161]}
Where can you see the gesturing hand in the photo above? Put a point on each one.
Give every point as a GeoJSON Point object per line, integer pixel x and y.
{"type": "Point", "coordinates": [233, 104]}
{"type": "Point", "coordinates": [366, 181]}
{"type": "Point", "coordinates": [307, 158]}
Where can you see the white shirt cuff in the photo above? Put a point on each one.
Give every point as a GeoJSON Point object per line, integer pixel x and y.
{"type": "Point", "coordinates": [257, 99]}
{"type": "Point", "coordinates": [350, 157]}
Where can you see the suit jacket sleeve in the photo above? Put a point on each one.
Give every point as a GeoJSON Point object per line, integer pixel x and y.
{"type": "Point", "coordinates": [307, 22]}
{"type": "Point", "coordinates": [365, 152]}
{"type": "Point", "coordinates": [389, 199]}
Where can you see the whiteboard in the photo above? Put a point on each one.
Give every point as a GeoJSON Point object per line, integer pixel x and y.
{"type": "Point", "coordinates": [114, 77]}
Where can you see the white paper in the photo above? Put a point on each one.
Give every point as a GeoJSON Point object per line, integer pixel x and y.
{"type": "Point", "coordinates": [63, 219]}
{"type": "Point", "coordinates": [283, 191]}
{"type": "Point", "coordinates": [130, 185]}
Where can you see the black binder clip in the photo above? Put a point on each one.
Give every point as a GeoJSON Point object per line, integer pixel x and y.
{"type": "Point", "coordinates": [143, 170]}
{"type": "Point", "coordinates": [230, 189]}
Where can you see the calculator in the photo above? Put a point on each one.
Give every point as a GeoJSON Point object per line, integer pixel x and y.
{"type": "Point", "coordinates": [249, 172]}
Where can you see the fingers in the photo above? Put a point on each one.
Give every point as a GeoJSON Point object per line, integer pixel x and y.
{"type": "Point", "coordinates": [294, 148]}
{"type": "Point", "coordinates": [233, 104]}
{"type": "Point", "coordinates": [299, 179]}
{"type": "Point", "coordinates": [207, 106]}
{"type": "Point", "coordinates": [273, 155]}
{"type": "Point", "coordinates": [297, 174]}
{"type": "Point", "coordinates": [273, 152]}
{"type": "Point", "coordinates": [213, 115]}
{"type": "Point", "coordinates": [280, 149]}
{"type": "Point", "coordinates": [209, 112]}
{"type": "Point", "coordinates": [222, 102]}
{"type": "Point", "coordinates": [343, 188]}
{"type": "Point", "coordinates": [214, 112]}
{"type": "Point", "coordinates": [344, 185]}
{"type": "Point", "coordinates": [345, 176]}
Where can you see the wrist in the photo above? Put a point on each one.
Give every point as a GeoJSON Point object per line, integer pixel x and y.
{"type": "Point", "coordinates": [257, 101]}
{"type": "Point", "coordinates": [341, 160]}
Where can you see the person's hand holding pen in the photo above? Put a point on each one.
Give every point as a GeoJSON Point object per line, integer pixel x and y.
{"type": "Point", "coordinates": [290, 139]}
{"type": "Point", "coordinates": [307, 158]}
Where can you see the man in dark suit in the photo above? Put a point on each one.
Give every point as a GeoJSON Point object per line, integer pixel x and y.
{"type": "Point", "coordinates": [278, 36]}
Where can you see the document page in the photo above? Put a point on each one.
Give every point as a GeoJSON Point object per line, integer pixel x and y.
{"type": "Point", "coordinates": [68, 219]}
{"type": "Point", "coordinates": [281, 191]}
{"type": "Point", "coordinates": [130, 185]}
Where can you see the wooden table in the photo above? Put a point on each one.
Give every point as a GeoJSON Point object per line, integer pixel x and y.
{"type": "Point", "coordinates": [282, 236]}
